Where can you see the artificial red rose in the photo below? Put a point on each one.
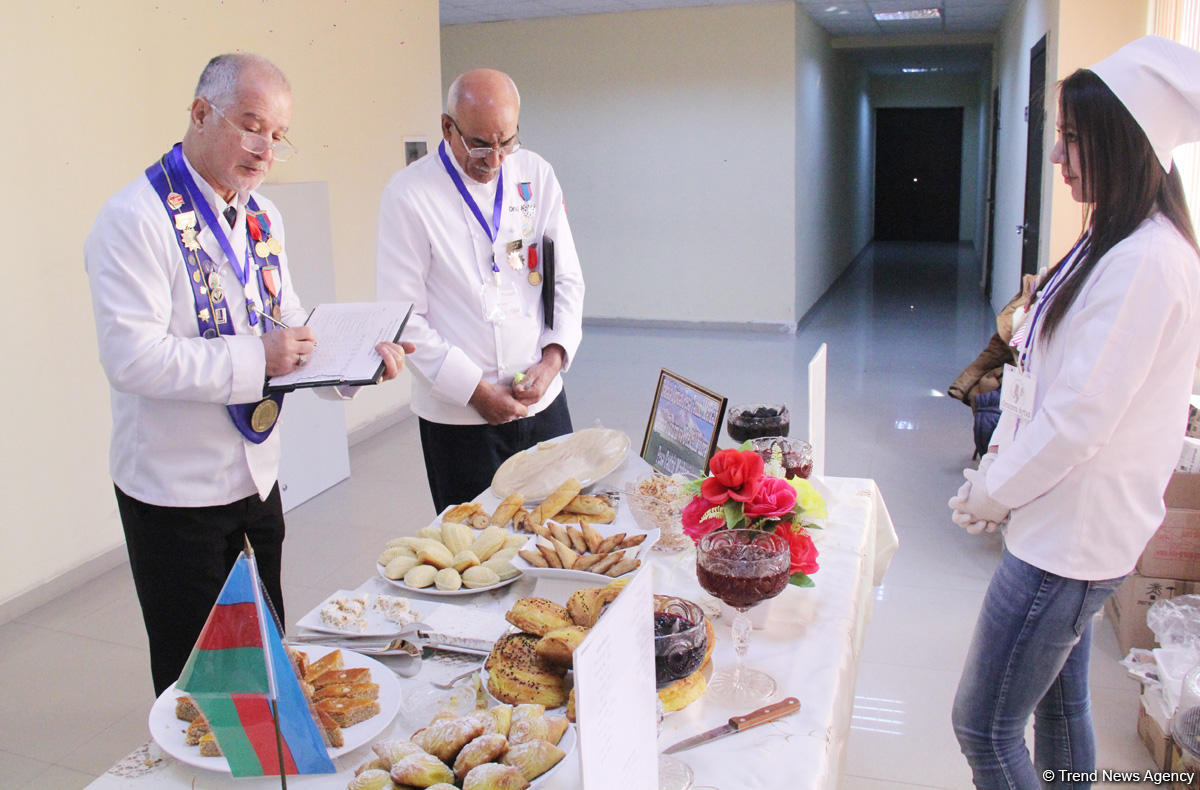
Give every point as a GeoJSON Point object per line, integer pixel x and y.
{"type": "Point", "coordinates": [695, 526]}
{"type": "Point", "coordinates": [804, 551]}
{"type": "Point", "coordinates": [773, 499]}
{"type": "Point", "coordinates": [735, 473]}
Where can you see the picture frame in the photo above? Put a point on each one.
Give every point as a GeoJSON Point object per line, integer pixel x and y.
{"type": "Point", "coordinates": [414, 149]}
{"type": "Point", "coordinates": [685, 422]}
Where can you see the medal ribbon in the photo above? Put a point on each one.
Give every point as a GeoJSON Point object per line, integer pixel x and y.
{"type": "Point", "coordinates": [181, 173]}
{"type": "Point", "coordinates": [1078, 251]}
{"type": "Point", "coordinates": [493, 229]}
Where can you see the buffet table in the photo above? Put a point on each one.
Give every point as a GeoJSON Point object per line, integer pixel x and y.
{"type": "Point", "coordinates": [811, 643]}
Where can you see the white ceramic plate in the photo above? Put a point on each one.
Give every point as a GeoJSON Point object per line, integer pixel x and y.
{"type": "Point", "coordinates": [521, 564]}
{"type": "Point", "coordinates": [169, 732]}
{"type": "Point", "coordinates": [431, 590]}
{"type": "Point", "coordinates": [376, 623]}
{"type": "Point", "coordinates": [586, 455]}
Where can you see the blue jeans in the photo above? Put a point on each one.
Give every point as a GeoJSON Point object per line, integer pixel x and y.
{"type": "Point", "coordinates": [1029, 655]}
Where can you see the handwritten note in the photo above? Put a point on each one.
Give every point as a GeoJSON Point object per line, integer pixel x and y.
{"type": "Point", "coordinates": [615, 695]}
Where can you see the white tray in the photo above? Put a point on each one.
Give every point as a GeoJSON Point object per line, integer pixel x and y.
{"type": "Point", "coordinates": [521, 564]}
{"type": "Point", "coordinates": [377, 623]}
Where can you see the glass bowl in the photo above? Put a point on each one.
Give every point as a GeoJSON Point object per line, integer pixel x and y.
{"type": "Point", "coordinates": [753, 420]}
{"type": "Point", "coordinates": [680, 639]}
{"type": "Point", "coordinates": [784, 457]}
{"type": "Point", "coordinates": [656, 502]}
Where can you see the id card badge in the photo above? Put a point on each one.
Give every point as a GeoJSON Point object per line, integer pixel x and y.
{"type": "Point", "coordinates": [500, 300]}
{"type": "Point", "coordinates": [1016, 393]}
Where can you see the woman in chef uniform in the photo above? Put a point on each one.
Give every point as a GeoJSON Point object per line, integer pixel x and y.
{"type": "Point", "coordinates": [1093, 417]}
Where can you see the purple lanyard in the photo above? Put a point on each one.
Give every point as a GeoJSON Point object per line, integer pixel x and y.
{"type": "Point", "coordinates": [210, 219]}
{"type": "Point", "coordinates": [1079, 250]}
{"type": "Point", "coordinates": [493, 229]}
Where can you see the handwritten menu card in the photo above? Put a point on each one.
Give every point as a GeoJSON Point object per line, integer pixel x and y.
{"type": "Point", "coordinates": [615, 695]}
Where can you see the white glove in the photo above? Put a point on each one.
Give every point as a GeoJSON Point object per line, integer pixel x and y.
{"type": "Point", "coordinates": [979, 503]}
{"type": "Point", "coordinates": [961, 503]}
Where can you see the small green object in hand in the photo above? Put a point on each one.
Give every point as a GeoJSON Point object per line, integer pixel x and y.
{"type": "Point", "coordinates": [518, 378]}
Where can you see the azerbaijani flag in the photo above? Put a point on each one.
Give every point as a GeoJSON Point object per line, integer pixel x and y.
{"type": "Point", "coordinates": [236, 669]}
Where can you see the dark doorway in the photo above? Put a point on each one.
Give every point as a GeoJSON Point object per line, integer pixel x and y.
{"type": "Point", "coordinates": [918, 164]}
{"type": "Point", "coordinates": [1035, 117]}
{"type": "Point", "coordinates": [989, 260]}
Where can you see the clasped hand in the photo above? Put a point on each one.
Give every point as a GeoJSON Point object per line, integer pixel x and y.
{"type": "Point", "coordinates": [973, 508]}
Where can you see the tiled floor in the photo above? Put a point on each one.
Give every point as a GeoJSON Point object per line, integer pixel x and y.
{"type": "Point", "coordinates": [899, 327]}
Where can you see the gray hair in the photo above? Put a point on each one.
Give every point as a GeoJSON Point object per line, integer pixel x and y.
{"type": "Point", "coordinates": [218, 81]}
{"type": "Point", "coordinates": [454, 94]}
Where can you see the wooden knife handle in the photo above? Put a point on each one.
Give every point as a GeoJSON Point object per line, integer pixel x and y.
{"type": "Point", "coordinates": [763, 715]}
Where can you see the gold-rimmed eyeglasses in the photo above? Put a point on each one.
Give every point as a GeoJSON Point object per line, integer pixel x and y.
{"type": "Point", "coordinates": [259, 144]}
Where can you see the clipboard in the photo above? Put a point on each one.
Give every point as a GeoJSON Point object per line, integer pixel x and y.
{"type": "Point", "coordinates": [346, 341]}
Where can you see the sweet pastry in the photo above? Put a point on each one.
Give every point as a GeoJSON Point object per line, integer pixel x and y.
{"type": "Point", "coordinates": [533, 758]}
{"type": "Point", "coordinates": [507, 509]}
{"type": "Point", "coordinates": [484, 749]}
{"type": "Point", "coordinates": [374, 764]}
{"type": "Point", "coordinates": [517, 675]}
{"type": "Point", "coordinates": [502, 716]}
{"type": "Point", "coordinates": [348, 712]}
{"type": "Point", "coordinates": [448, 579]}
{"type": "Point", "coordinates": [683, 692]}
{"type": "Point", "coordinates": [445, 737]}
{"type": "Point", "coordinates": [557, 646]}
{"type": "Point", "coordinates": [463, 560]}
{"type": "Point", "coordinates": [421, 770]}
{"type": "Point", "coordinates": [185, 709]}
{"type": "Point", "coordinates": [348, 690]}
{"type": "Point", "coordinates": [494, 776]}
{"type": "Point", "coordinates": [488, 542]}
{"type": "Point", "coordinates": [528, 711]}
{"type": "Point", "coordinates": [556, 501]}
{"type": "Point", "coordinates": [457, 537]}
{"type": "Point", "coordinates": [340, 677]}
{"type": "Point", "coordinates": [461, 513]}
{"type": "Point", "coordinates": [538, 616]}
{"type": "Point", "coordinates": [208, 746]}
{"type": "Point", "coordinates": [527, 730]}
{"type": "Point", "coordinates": [330, 661]}
{"type": "Point", "coordinates": [479, 576]}
{"type": "Point", "coordinates": [394, 750]}
{"type": "Point", "coordinates": [372, 779]}
{"type": "Point", "coordinates": [421, 576]}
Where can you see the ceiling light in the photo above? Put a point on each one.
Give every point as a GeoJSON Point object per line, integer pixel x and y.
{"type": "Point", "coordinates": [904, 16]}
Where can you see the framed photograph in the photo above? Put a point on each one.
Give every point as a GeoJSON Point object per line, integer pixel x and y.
{"type": "Point", "coordinates": [685, 420]}
{"type": "Point", "coordinates": [414, 149]}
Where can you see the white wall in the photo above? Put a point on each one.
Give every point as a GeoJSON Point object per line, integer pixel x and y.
{"type": "Point", "coordinates": [831, 179]}
{"type": "Point", "coordinates": [947, 90]}
{"type": "Point", "coordinates": [693, 192]}
{"type": "Point", "coordinates": [96, 91]}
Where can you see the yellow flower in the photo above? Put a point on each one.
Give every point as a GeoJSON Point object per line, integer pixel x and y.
{"type": "Point", "coordinates": [811, 502]}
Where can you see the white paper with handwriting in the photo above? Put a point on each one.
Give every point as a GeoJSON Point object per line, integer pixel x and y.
{"type": "Point", "coordinates": [615, 694]}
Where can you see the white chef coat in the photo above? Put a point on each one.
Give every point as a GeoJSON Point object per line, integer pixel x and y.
{"type": "Point", "coordinates": [173, 441]}
{"type": "Point", "coordinates": [1085, 477]}
{"type": "Point", "coordinates": [435, 254]}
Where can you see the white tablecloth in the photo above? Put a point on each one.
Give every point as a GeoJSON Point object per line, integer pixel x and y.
{"type": "Point", "coordinates": [811, 643]}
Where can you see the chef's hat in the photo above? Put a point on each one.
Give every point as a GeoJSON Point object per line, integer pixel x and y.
{"type": "Point", "coordinates": [1158, 81]}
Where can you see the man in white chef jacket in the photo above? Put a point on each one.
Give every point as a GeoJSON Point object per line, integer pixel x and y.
{"type": "Point", "coordinates": [466, 234]}
{"type": "Point", "coordinates": [192, 301]}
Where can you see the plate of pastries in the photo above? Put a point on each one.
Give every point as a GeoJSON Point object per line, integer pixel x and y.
{"type": "Point", "coordinates": [586, 455]}
{"type": "Point", "coordinates": [353, 699]}
{"type": "Point", "coordinates": [464, 551]}
{"type": "Point", "coordinates": [505, 747]}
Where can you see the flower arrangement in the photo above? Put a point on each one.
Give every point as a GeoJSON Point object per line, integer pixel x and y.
{"type": "Point", "coordinates": [738, 494]}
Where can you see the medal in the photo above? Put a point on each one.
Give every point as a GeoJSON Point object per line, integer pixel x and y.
{"type": "Point", "coordinates": [274, 245]}
{"type": "Point", "coordinates": [174, 200]}
{"type": "Point", "coordinates": [188, 237]}
{"type": "Point", "coordinates": [514, 261]}
{"type": "Point", "coordinates": [217, 294]}
{"type": "Point", "coordinates": [262, 249]}
{"type": "Point", "coordinates": [222, 315]}
{"type": "Point", "coordinates": [264, 415]}
{"type": "Point", "coordinates": [535, 278]}
{"type": "Point", "coordinates": [185, 220]}
{"type": "Point", "coordinates": [196, 275]}
{"type": "Point", "coordinates": [210, 333]}
{"type": "Point", "coordinates": [203, 314]}
{"type": "Point", "coordinates": [276, 313]}
{"type": "Point", "coordinates": [214, 281]}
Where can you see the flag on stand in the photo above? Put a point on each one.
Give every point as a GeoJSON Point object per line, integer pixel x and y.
{"type": "Point", "coordinates": [238, 672]}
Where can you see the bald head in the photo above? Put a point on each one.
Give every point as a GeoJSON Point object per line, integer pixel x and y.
{"type": "Point", "coordinates": [482, 111]}
{"type": "Point", "coordinates": [479, 88]}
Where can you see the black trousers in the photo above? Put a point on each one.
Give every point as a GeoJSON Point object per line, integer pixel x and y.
{"type": "Point", "coordinates": [181, 556]}
{"type": "Point", "coordinates": [461, 459]}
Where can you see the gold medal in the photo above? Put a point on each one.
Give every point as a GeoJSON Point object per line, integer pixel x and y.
{"type": "Point", "coordinates": [203, 314]}
{"type": "Point", "coordinates": [264, 415]}
{"type": "Point", "coordinates": [196, 275]}
{"type": "Point", "coordinates": [535, 278]}
{"type": "Point", "coordinates": [262, 249]}
{"type": "Point", "coordinates": [274, 245]}
{"type": "Point", "coordinates": [276, 313]}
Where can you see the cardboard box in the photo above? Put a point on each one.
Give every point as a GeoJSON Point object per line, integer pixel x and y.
{"type": "Point", "coordinates": [1151, 728]}
{"type": "Point", "coordinates": [1174, 551]}
{"type": "Point", "coordinates": [1126, 608]}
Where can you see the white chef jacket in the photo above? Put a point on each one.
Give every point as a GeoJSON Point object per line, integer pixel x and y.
{"type": "Point", "coordinates": [1085, 477]}
{"type": "Point", "coordinates": [435, 254]}
{"type": "Point", "coordinates": [173, 441]}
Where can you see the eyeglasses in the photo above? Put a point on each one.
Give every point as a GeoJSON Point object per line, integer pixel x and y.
{"type": "Point", "coordinates": [259, 144]}
{"type": "Point", "coordinates": [485, 152]}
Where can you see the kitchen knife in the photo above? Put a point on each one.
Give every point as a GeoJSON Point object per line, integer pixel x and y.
{"type": "Point", "coordinates": [739, 723]}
